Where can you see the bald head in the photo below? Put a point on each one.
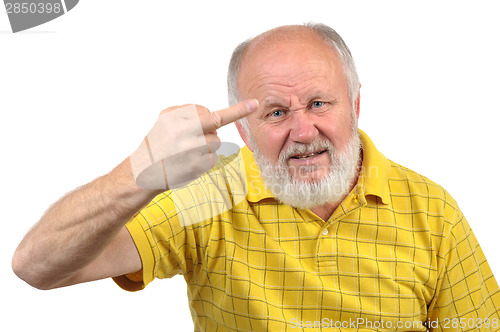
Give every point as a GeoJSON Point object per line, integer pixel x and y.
{"type": "Point", "coordinates": [318, 39]}
{"type": "Point", "coordinates": [281, 50]}
{"type": "Point", "coordinates": [288, 33]}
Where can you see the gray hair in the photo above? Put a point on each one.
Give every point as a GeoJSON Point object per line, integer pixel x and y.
{"type": "Point", "coordinates": [329, 36]}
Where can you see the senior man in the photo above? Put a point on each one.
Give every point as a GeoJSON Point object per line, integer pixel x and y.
{"type": "Point", "coordinates": [309, 225]}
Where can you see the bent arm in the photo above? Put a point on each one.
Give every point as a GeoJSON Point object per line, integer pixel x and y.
{"type": "Point", "coordinates": [82, 236]}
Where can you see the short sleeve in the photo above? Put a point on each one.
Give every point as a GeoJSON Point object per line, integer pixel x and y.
{"type": "Point", "coordinates": [138, 281]}
{"type": "Point", "coordinates": [160, 240]}
{"type": "Point", "coordinates": [467, 297]}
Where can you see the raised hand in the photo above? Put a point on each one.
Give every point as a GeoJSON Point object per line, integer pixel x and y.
{"type": "Point", "coordinates": [182, 144]}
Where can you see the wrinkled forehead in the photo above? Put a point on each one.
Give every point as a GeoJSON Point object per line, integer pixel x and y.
{"type": "Point", "coordinates": [297, 61]}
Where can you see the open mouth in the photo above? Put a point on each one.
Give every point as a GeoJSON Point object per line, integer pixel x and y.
{"type": "Point", "coordinates": [307, 155]}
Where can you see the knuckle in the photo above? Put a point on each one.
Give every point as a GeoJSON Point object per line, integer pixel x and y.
{"type": "Point", "coordinates": [201, 109]}
{"type": "Point", "coordinates": [216, 118]}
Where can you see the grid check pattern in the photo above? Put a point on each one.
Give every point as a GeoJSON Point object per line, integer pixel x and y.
{"type": "Point", "coordinates": [397, 249]}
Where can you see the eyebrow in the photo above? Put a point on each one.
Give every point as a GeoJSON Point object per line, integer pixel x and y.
{"type": "Point", "coordinates": [269, 103]}
{"type": "Point", "coordinates": [318, 95]}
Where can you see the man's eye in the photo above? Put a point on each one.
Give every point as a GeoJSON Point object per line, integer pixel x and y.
{"type": "Point", "coordinates": [277, 113]}
{"type": "Point", "coordinates": [317, 104]}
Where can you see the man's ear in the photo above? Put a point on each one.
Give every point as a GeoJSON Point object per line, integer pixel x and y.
{"type": "Point", "coordinates": [244, 135]}
{"type": "Point", "coordinates": [357, 102]}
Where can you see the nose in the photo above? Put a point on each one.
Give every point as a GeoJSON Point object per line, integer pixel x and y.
{"type": "Point", "coordinates": [303, 128]}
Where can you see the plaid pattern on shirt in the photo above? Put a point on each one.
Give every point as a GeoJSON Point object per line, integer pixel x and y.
{"type": "Point", "coordinates": [396, 253]}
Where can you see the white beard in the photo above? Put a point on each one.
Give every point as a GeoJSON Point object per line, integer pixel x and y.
{"type": "Point", "coordinates": [332, 188]}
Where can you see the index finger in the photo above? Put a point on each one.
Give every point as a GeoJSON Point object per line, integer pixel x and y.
{"type": "Point", "coordinates": [214, 120]}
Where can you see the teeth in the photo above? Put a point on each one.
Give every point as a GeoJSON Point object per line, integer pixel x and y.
{"type": "Point", "coordinates": [306, 156]}
{"type": "Point", "coordinates": [310, 155]}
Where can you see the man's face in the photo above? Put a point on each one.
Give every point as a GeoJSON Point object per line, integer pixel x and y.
{"type": "Point", "coordinates": [303, 97]}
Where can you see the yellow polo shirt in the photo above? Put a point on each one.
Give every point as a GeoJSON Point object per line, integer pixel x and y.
{"type": "Point", "coordinates": [395, 255]}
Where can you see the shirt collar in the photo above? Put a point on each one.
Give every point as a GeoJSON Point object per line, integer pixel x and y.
{"type": "Point", "coordinates": [373, 178]}
{"type": "Point", "coordinates": [257, 190]}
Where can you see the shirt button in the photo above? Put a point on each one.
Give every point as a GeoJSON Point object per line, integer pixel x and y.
{"type": "Point", "coordinates": [325, 232]}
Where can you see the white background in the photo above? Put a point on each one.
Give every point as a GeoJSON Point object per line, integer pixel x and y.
{"type": "Point", "coordinates": [78, 94]}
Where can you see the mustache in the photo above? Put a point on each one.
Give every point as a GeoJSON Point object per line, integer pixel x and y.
{"type": "Point", "coordinates": [299, 148]}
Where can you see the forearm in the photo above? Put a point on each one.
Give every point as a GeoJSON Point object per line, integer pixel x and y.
{"type": "Point", "coordinates": [77, 228]}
